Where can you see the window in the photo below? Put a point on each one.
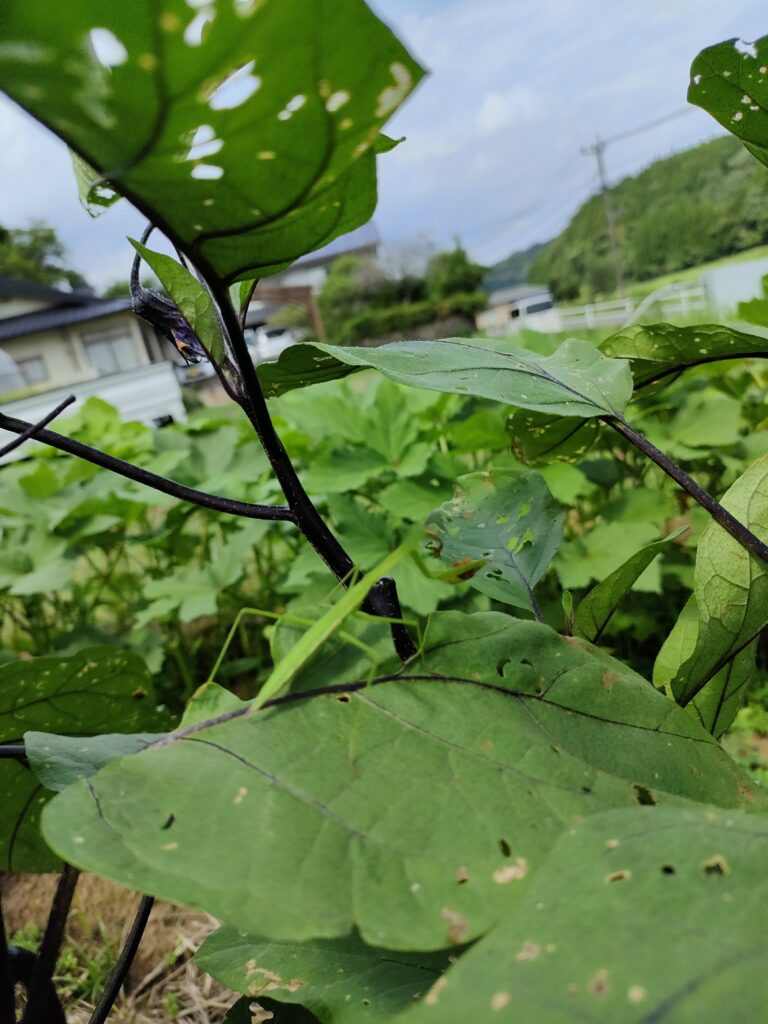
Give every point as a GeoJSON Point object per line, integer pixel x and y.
{"type": "Point", "coordinates": [539, 307]}
{"type": "Point", "coordinates": [32, 369]}
{"type": "Point", "coordinates": [112, 350]}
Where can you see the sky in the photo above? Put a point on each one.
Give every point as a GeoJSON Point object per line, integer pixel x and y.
{"type": "Point", "coordinates": [494, 135]}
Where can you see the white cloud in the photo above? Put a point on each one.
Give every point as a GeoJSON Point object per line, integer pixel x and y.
{"type": "Point", "coordinates": [500, 110]}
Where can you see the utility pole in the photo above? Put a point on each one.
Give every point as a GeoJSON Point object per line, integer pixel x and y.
{"type": "Point", "coordinates": [597, 149]}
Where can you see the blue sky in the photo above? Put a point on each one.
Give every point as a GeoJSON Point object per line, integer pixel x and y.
{"type": "Point", "coordinates": [493, 135]}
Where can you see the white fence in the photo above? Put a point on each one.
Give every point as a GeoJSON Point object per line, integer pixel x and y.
{"type": "Point", "coordinates": [670, 303]}
{"type": "Point", "coordinates": [667, 303]}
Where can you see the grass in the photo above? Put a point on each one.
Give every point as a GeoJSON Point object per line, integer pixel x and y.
{"type": "Point", "coordinates": [639, 289]}
{"type": "Point", "coordinates": [164, 984]}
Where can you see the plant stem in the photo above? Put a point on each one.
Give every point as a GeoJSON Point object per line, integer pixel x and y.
{"type": "Point", "coordinates": [120, 972]}
{"type": "Point", "coordinates": [42, 975]}
{"type": "Point", "coordinates": [35, 428]}
{"type": "Point", "coordinates": [722, 516]}
{"type": "Point", "coordinates": [7, 994]}
{"type": "Point", "coordinates": [382, 599]}
{"type": "Point", "coordinates": [149, 479]}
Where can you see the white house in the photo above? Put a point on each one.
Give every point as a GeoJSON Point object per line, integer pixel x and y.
{"type": "Point", "coordinates": [523, 305]}
{"type": "Point", "coordinates": [74, 342]}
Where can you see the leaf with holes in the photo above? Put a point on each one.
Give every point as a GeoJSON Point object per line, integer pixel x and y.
{"type": "Point", "coordinates": [635, 917]}
{"type": "Point", "coordinates": [341, 981]}
{"type": "Point", "coordinates": [96, 690]}
{"type": "Point", "coordinates": [730, 82]}
{"type": "Point", "coordinates": [657, 351]}
{"type": "Point", "coordinates": [731, 598]}
{"type": "Point", "coordinates": [247, 131]}
{"type": "Point", "coordinates": [95, 195]}
{"type": "Point", "coordinates": [509, 523]}
{"type": "Point", "coordinates": [192, 299]}
{"type": "Point", "coordinates": [595, 611]}
{"type": "Point", "coordinates": [576, 380]}
{"type": "Point", "coordinates": [349, 790]}
{"type": "Point", "coordinates": [538, 438]}
{"type": "Point", "coordinates": [299, 366]}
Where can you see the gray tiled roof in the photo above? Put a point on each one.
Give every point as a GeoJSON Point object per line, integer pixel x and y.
{"type": "Point", "coordinates": [59, 316]}
{"type": "Point", "coordinates": [15, 288]}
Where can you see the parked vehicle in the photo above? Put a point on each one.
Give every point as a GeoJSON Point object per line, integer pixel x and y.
{"type": "Point", "coordinates": [267, 342]}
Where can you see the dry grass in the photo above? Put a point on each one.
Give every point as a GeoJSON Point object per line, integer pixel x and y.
{"type": "Point", "coordinates": [163, 985]}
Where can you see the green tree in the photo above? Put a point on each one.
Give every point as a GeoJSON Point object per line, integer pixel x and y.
{"type": "Point", "coordinates": [349, 289]}
{"type": "Point", "coordinates": [450, 273]}
{"type": "Point", "coordinates": [36, 254]}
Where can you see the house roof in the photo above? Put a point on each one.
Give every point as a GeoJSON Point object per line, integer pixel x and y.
{"type": "Point", "coordinates": [517, 293]}
{"type": "Point", "coordinates": [15, 288]}
{"type": "Point", "coordinates": [364, 237]}
{"type": "Point", "coordinates": [59, 316]}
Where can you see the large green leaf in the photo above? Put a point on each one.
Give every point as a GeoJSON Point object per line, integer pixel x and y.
{"type": "Point", "coordinates": [661, 350]}
{"type": "Point", "coordinates": [342, 981]}
{"type": "Point", "coordinates": [509, 523]}
{"type": "Point", "coordinates": [410, 809]}
{"type": "Point", "coordinates": [636, 917]}
{"type": "Point", "coordinates": [97, 690]}
{"type": "Point", "coordinates": [247, 130]}
{"type": "Point", "coordinates": [595, 611]}
{"type": "Point", "coordinates": [58, 761]}
{"type": "Point", "coordinates": [539, 438]}
{"type": "Point", "coordinates": [717, 704]}
{"type": "Point", "coordinates": [299, 366]}
{"type": "Point", "coordinates": [731, 84]}
{"type": "Point", "coordinates": [576, 380]}
{"type": "Point", "coordinates": [731, 594]}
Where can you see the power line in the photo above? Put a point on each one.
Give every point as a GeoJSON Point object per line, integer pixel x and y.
{"type": "Point", "coordinates": [597, 150]}
{"type": "Point", "coordinates": [647, 127]}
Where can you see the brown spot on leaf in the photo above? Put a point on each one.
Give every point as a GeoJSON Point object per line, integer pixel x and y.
{"type": "Point", "coordinates": [500, 1000]}
{"type": "Point", "coordinates": [529, 951]}
{"type": "Point", "coordinates": [511, 872]}
{"type": "Point", "coordinates": [716, 865]}
{"type": "Point", "coordinates": [462, 875]}
{"type": "Point", "coordinates": [609, 678]}
{"type": "Point", "coordinates": [259, 1015]}
{"type": "Point", "coordinates": [612, 844]}
{"type": "Point", "coordinates": [458, 926]}
{"type": "Point", "coordinates": [618, 876]}
{"type": "Point", "coordinates": [271, 980]}
{"type": "Point", "coordinates": [433, 996]}
{"type": "Point", "coordinates": [139, 694]}
{"type": "Point", "coordinates": [599, 984]}
{"type": "Point", "coordinates": [636, 994]}
{"type": "Point", "coordinates": [470, 572]}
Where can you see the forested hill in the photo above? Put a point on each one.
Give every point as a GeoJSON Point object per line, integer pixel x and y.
{"type": "Point", "coordinates": [513, 270]}
{"type": "Point", "coordinates": [699, 205]}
